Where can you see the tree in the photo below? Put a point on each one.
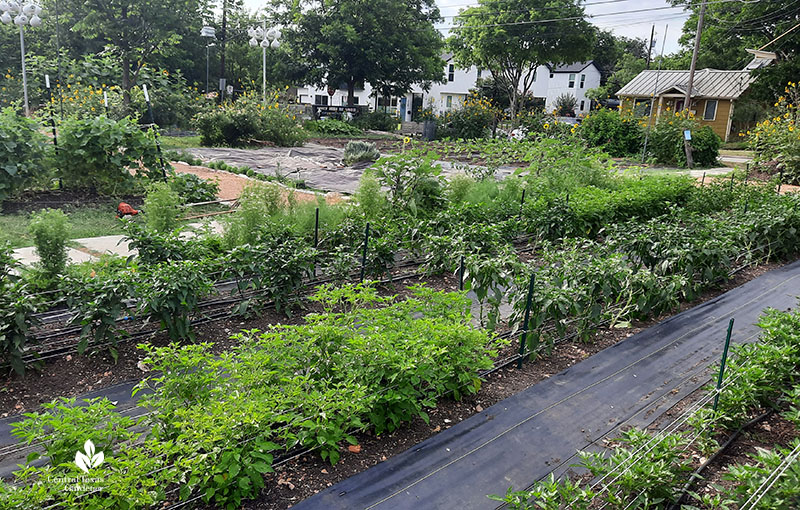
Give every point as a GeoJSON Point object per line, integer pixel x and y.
{"type": "Point", "coordinates": [731, 27]}
{"type": "Point", "coordinates": [511, 38]}
{"type": "Point", "coordinates": [392, 44]}
{"type": "Point", "coordinates": [628, 68]}
{"type": "Point", "coordinates": [610, 50]}
{"type": "Point", "coordinates": [135, 30]}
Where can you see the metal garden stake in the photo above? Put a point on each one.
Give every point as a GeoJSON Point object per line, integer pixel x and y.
{"type": "Point", "coordinates": [703, 180]}
{"type": "Point", "coordinates": [52, 118]}
{"type": "Point", "coordinates": [364, 253]}
{"type": "Point", "coordinates": [153, 122]}
{"type": "Point", "coordinates": [521, 203]}
{"type": "Point", "coordinates": [524, 339]}
{"type": "Point", "coordinates": [780, 181]}
{"type": "Point", "coordinates": [722, 365]}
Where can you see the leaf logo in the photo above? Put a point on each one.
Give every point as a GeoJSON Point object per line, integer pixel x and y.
{"type": "Point", "coordinates": [88, 460]}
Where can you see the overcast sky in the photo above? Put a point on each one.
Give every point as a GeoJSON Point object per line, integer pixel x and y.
{"type": "Point", "coordinates": [615, 15]}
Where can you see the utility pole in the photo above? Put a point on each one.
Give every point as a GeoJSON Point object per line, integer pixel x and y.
{"type": "Point", "coordinates": [687, 102]}
{"type": "Point", "coordinates": [223, 40]}
{"type": "Point", "coordinates": [650, 47]}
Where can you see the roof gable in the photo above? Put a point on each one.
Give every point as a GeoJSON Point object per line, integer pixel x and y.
{"type": "Point", "coordinates": [574, 67]}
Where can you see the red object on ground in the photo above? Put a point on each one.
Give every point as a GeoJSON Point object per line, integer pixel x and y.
{"type": "Point", "coordinates": [124, 209]}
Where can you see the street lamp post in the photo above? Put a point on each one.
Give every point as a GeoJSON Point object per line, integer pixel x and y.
{"type": "Point", "coordinates": [209, 33]}
{"type": "Point", "coordinates": [269, 39]}
{"type": "Point", "coordinates": [21, 14]}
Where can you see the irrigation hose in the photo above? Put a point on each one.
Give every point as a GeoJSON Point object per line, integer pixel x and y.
{"type": "Point", "coordinates": [697, 472]}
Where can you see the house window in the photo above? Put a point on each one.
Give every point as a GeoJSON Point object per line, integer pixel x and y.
{"type": "Point", "coordinates": [321, 99]}
{"type": "Point", "coordinates": [449, 101]}
{"type": "Point", "coordinates": [572, 80]}
{"type": "Point", "coordinates": [551, 76]}
{"type": "Point", "coordinates": [479, 73]}
{"type": "Point", "coordinates": [451, 72]}
{"type": "Point", "coordinates": [583, 81]}
{"type": "Point", "coordinates": [582, 103]}
{"type": "Point", "coordinates": [711, 110]}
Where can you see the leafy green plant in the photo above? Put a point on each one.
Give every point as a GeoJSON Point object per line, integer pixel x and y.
{"type": "Point", "coordinates": [22, 150]}
{"type": "Point", "coordinates": [170, 292]}
{"type": "Point", "coordinates": [379, 121]}
{"type": "Point", "coordinates": [614, 132]}
{"type": "Point", "coordinates": [413, 180]}
{"type": "Point", "coordinates": [246, 122]}
{"type": "Point", "coordinates": [565, 105]}
{"type": "Point", "coordinates": [100, 153]}
{"type": "Point", "coordinates": [667, 141]}
{"type": "Point", "coordinates": [358, 151]}
{"type": "Point", "coordinates": [50, 231]}
{"type": "Point", "coordinates": [775, 139]}
{"type": "Point", "coordinates": [258, 202]}
{"type": "Point", "coordinates": [472, 119]}
{"type": "Point", "coordinates": [98, 303]}
{"type": "Point", "coordinates": [161, 207]}
{"type": "Point", "coordinates": [333, 127]}
{"type": "Point", "coordinates": [192, 189]}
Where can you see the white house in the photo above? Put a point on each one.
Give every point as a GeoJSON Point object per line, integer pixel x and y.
{"type": "Point", "coordinates": [549, 83]}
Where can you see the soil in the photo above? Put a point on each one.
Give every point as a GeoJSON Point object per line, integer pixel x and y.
{"type": "Point", "coordinates": [31, 201]}
{"type": "Point", "coordinates": [231, 185]}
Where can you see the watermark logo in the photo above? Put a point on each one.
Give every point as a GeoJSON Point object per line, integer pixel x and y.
{"type": "Point", "coordinates": [89, 459]}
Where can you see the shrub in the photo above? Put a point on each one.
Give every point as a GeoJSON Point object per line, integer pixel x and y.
{"type": "Point", "coordinates": [22, 150]}
{"type": "Point", "coordinates": [472, 120]}
{"type": "Point", "coordinates": [566, 104]}
{"type": "Point", "coordinates": [369, 197]}
{"type": "Point", "coordinates": [333, 127]}
{"type": "Point", "coordinates": [50, 231]}
{"type": "Point", "coordinates": [246, 121]}
{"type": "Point", "coordinates": [666, 141]}
{"type": "Point", "coordinates": [357, 151]}
{"type": "Point", "coordinates": [161, 207]}
{"type": "Point", "coordinates": [777, 139]}
{"type": "Point", "coordinates": [99, 153]}
{"type": "Point", "coordinates": [378, 121]}
{"type": "Point", "coordinates": [617, 135]}
{"type": "Point", "coordinates": [192, 189]}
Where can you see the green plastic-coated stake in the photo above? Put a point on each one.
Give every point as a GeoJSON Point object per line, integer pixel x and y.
{"type": "Point", "coordinates": [722, 365]}
{"type": "Point", "coordinates": [461, 274]}
{"type": "Point", "coordinates": [746, 202]}
{"type": "Point", "coordinates": [780, 181]}
{"type": "Point", "coordinates": [316, 228]}
{"type": "Point", "coordinates": [703, 181]}
{"type": "Point", "coordinates": [731, 181]}
{"type": "Point", "coordinates": [521, 203]}
{"type": "Point", "coordinates": [746, 172]}
{"type": "Point", "coordinates": [524, 339]}
{"type": "Point", "coordinates": [364, 253]}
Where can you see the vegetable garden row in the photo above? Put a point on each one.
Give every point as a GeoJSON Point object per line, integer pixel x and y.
{"type": "Point", "coordinates": [659, 469]}
{"type": "Point", "coordinates": [604, 249]}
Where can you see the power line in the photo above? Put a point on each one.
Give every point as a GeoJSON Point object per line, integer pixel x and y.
{"type": "Point", "coordinates": [590, 16]}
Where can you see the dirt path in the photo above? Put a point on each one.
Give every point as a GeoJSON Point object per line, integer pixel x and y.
{"type": "Point", "coordinates": [231, 185]}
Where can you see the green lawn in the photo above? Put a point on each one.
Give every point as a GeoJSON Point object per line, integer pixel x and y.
{"type": "Point", "coordinates": [179, 142]}
{"type": "Point", "coordinates": [84, 222]}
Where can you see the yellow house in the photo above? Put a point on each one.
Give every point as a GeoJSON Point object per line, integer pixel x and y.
{"type": "Point", "coordinates": [713, 98]}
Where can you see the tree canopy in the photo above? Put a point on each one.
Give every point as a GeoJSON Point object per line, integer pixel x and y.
{"type": "Point", "coordinates": [511, 38]}
{"type": "Point", "coordinates": [730, 28]}
{"type": "Point", "coordinates": [392, 44]}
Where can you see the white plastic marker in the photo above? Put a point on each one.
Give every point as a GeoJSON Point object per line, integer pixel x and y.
{"type": "Point", "coordinates": [105, 99]}
{"type": "Point", "coordinates": [47, 80]}
{"type": "Point", "coordinates": [146, 95]}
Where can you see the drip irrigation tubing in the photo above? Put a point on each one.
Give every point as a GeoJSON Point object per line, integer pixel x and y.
{"type": "Point", "coordinates": [696, 474]}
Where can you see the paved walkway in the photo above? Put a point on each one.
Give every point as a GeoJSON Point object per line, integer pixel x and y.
{"type": "Point", "coordinates": [538, 431]}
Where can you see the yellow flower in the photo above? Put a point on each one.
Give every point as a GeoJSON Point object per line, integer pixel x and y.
{"type": "Point", "coordinates": [406, 140]}
{"type": "Point", "coordinates": [546, 125]}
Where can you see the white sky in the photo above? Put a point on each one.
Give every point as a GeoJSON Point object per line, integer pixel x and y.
{"type": "Point", "coordinates": [610, 14]}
